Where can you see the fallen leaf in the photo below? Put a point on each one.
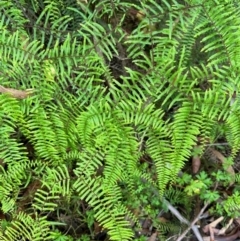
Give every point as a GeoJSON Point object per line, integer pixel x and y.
{"type": "Point", "coordinates": [153, 237]}
{"type": "Point", "coordinates": [226, 227]}
{"type": "Point", "coordinates": [230, 237]}
{"type": "Point", "coordinates": [213, 224]}
{"type": "Point", "coordinates": [196, 163]}
{"type": "Point", "coordinates": [19, 94]}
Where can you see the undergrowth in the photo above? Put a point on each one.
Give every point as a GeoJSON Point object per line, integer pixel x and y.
{"type": "Point", "coordinates": [103, 106]}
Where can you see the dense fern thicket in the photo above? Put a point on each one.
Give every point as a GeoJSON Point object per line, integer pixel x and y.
{"type": "Point", "coordinates": [103, 101]}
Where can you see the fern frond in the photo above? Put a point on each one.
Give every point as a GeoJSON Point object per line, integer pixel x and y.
{"type": "Point", "coordinates": [113, 218]}
{"type": "Point", "coordinates": [217, 33]}
{"type": "Point", "coordinates": [25, 227]}
{"type": "Point", "coordinates": [184, 134]}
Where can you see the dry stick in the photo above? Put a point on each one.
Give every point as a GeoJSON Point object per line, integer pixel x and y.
{"type": "Point", "coordinates": [192, 226]}
{"type": "Point", "coordinates": [177, 214]}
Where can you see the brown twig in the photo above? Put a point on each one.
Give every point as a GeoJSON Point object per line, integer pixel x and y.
{"type": "Point", "coordinates": [193, 223]}
{"type": "Point", "coordinates": [194, 228]}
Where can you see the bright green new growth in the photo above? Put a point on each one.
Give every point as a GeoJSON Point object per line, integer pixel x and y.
{"type": "Point", "coordinates": [80, 119]}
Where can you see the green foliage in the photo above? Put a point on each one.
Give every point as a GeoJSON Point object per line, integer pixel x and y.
{"type": "Point", "coordinates": [204, 186]}
{"type": "Point", "coordinates": [82, 133]}
{"type": "Point", "coordinates": [230, 206]}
